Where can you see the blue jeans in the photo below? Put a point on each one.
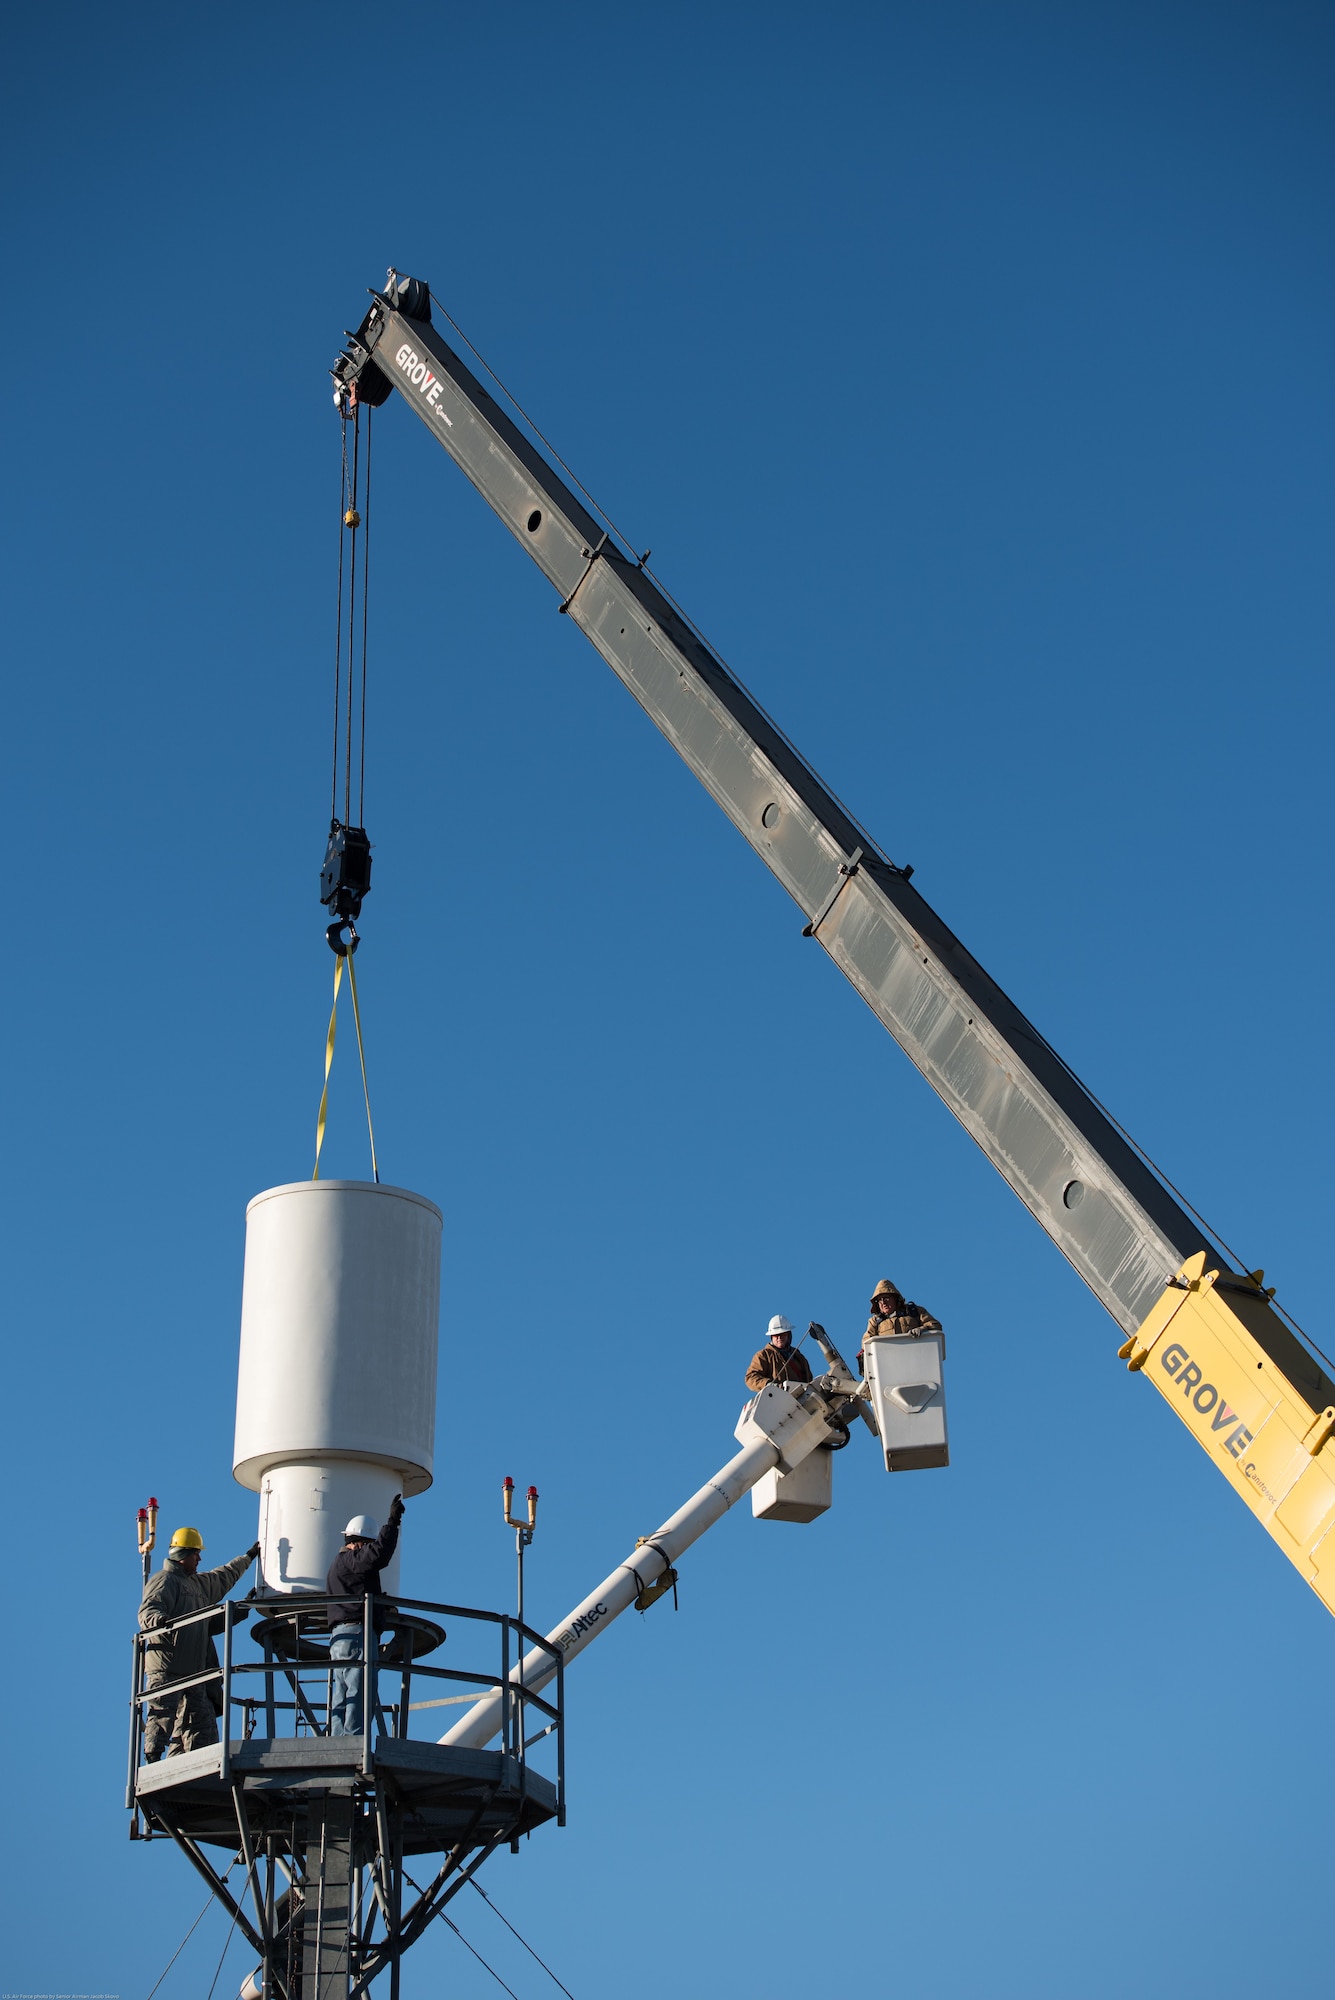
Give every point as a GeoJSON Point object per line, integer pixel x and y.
{"type": "Point", "coordinates": [345, 1701]}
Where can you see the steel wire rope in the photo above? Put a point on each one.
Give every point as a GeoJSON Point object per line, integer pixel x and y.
{"type": "Point", "coordinates": [351, 492]}
{"type": "Point", "coordinates": [338, 630]}
{"type": "Point", "coordinates": [366, 594]}
{"type": "Point", "coordinates": [477, 1955]}
{"type": "Point", "coordinates": [189, 1934]}
{"type": "Point", "coordinates": [464, 1941]}
{"type": "Point", "coordinates": [872, 844]}
{"type": "Point", "coordinates": [515, 404]}
{"type": "Point", "coordinates": [352, 609]}
{"type": "Point", "coordinates": [523, 1940]}
{"type": "Point", "coordinates": [227, 1945]}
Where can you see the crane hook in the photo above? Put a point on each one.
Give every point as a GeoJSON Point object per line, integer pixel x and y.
{"type": "Point", "coordinates": [343, 947]}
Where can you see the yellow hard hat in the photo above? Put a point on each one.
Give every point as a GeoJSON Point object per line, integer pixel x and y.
{"type": "Point", "coordinates": [187, 1538]}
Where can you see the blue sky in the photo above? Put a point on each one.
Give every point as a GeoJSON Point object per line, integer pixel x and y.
{"type": "Point", "coordinates": [967, 369]}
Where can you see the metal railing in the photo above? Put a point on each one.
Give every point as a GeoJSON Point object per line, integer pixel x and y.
{"type": "Point", "coordinates": [289, 1687]}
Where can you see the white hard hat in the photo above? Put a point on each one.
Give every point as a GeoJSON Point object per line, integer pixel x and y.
{"type": "Point", "coordinates": [365, 1526]}
{"type": "Point", "coordinates": [779, 1325]}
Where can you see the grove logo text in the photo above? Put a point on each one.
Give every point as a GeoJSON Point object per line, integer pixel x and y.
{"type": "Point", "coordinates": [1205, 1399]}
{"type": "Point", "coordinates": [421, 377]}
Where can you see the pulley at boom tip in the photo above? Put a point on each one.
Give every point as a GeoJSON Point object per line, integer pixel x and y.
{"type": "Point", "coordinates": [357, 378]}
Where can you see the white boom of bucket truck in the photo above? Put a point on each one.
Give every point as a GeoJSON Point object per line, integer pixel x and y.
{"type": "Point", "coordinates": [788, 1438]}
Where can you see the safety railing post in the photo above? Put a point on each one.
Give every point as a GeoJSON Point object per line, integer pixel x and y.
{"type": "Point", "coordinates": [329, 1678]}
{"type": "Point", "coordinates": [136, 1720]}
{"type": "Point", "coordinates": [521, 1712]}
{"type": "Point", "coordinates": [515, 1706]}
{"type": "Point", "coordinates": [225, 1719]}
{"type": "Point", "coordinates": [507, 1700]}
{"type": "Point", "coordinates": [270, 1846]}
{"type": "Point", "coordinates": [295, 1675]}
{"type": "Point", "coordinates": [270, 1704]}
{"type": "Point", "coordinates": [560, 1740]}
{"type": "Point", "coordinates": [368, 1683]}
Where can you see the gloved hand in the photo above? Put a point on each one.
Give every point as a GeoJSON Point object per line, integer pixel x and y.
{"type": "Point", "coordinates": [396, 1509]}
{"type": "Point", "coordinates": [252, 1553]}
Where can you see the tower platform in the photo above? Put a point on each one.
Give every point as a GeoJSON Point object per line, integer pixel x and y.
{"type": "Point", "coordinates": [446, 1794]}
{"type": "Point", "coordinates": [326, 1828]}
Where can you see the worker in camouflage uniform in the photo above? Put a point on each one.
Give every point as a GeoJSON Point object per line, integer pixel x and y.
{"type": "Point", "coordinates": [778, 1360]}
{"type": "Point", "coordinates": [187, 1721]}
{"type": "Point", "coordinates": [894, 1317]}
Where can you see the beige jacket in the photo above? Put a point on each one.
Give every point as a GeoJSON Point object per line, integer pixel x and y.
{"type": "Point", "coordinates": [173, 1594]}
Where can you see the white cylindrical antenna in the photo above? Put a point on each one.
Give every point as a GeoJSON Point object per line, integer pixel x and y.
{"type": "Point", "coordinates": [336, 1390]}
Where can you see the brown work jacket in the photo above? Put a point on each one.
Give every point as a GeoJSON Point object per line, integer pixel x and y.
{"type": "Point", "coordinates": [777, 1364]}
{"type": "Point", "coordinates": [899, 1326]}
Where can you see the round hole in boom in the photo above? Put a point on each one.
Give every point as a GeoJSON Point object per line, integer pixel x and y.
{"type": "Point", "coordinates": [770, 816]}
{"type": "Point", "coordinates": [534, 521]}
{"type": "Point", "coordinates": [1073, 1194]}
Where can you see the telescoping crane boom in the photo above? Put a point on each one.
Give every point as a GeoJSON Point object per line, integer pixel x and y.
{"type": "Point", "coordinates": [1207, 1336]}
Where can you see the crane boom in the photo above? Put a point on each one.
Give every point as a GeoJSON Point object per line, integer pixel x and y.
{"type": "Point", "coordinates": [1134, 1244]}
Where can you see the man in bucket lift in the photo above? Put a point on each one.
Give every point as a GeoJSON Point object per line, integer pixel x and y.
{"type": "Point", "coordinates": [354, 1575]}
{"type": "Point", "coordinates": [189, 1720]}
{"type": "Point", "coordinates": [778, 1360]}
{"type": "Point", "coordinates": [895, 1317]}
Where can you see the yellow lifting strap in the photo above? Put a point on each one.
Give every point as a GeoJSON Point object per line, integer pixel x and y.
{"type": "Point", "coordinates": [344, 958]}
{"type": "Point", "coordinates": [328, 1065]}
{"type": "Point", "coordinates": [361, 1053]}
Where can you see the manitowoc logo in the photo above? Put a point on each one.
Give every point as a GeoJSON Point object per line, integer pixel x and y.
{"type": "Point", "coordinates": [421, 377]}
{"type": "Point", "coordinates": [1205, 1399]}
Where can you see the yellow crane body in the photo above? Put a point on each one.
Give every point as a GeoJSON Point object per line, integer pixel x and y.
{"type": "Point", "coordinates": [1208, 1348]}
